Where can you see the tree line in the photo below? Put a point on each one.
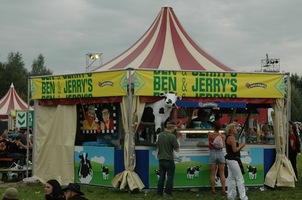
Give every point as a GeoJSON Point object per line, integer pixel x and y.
{"type": "Point", "coordinates": [14, 71]}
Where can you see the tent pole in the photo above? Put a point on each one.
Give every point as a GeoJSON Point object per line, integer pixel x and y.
{"type": "Point", "coordinates": [233, 115]}
{"type": "Point", "coordinates": [288, 110]}
{"type": "Point", "coordinates": [245, 123]}
{"type": "Point", "coordinates": [27, 125]}
{"type": "Point", "coordinates": [129, 115]}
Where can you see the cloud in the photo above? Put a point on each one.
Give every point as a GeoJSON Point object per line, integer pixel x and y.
{"type": "Point", "coordinates": [185, 159]}
{"type": "Point", "coordinates": [78, 149]}
{"type": "Point", "coordinates": [100, 159]}
{"type": "Point", "coordinates": [246, 159]}
{"type": "Point", "coordinates": [237, 33]}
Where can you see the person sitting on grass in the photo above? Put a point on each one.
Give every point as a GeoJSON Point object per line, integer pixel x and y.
{"type": "Point", "coordinates": [53, 190]}
{"type": "Point", "coordinates": [73, 192]}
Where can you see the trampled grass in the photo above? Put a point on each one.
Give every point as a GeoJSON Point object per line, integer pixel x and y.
{"type": "Point", "coordinates": [36, 192]}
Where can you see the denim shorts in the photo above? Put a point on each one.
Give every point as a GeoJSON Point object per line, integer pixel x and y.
{"type": "Point", "coordinates": [216, 156]}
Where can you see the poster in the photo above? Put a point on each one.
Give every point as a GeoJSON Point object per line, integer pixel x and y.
{"type": "Point", "coordinates": [101, 120]}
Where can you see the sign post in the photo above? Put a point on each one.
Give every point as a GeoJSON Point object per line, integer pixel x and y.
{"type": "Point", "coordinates": [22, 119]}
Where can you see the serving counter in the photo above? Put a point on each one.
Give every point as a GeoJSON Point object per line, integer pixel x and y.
{"type": "Point", "coordinates": [192, 162]}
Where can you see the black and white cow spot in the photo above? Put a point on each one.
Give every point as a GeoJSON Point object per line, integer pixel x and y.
{"type": "Point", "coordinates": [252, 171]}
{"type": "Point", "coordinates": [158, 112]}
{"type": "Point", "coordinates": [85, 169]}
{"type": "Point", "coordinates": [105, 172]}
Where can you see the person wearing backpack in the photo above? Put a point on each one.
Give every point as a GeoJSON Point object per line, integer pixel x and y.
{"type": "Point", "coordinates": [216, 144]}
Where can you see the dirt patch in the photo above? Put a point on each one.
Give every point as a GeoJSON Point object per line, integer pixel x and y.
{"type": "Point", "coordinates": [17, 184]}
{"type": "Point", "coordinates": [11, 184]}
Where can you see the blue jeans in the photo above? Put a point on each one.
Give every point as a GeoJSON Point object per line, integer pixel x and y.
{"type": "Point", "coordinates": [166, 168]}
{"type": "Point", "coordinates": [216, 156]}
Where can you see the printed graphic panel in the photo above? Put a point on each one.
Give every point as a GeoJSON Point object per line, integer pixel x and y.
{"type": "Point", "coordinates": [94, 165]}
{"type": "Point", "coordinates": [193, 168]}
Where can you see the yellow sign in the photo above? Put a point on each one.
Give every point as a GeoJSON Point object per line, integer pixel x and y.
{"type": "Point", "coordinates": [98, 84]}
{"type": "Point", "coordinates": [210, 84]}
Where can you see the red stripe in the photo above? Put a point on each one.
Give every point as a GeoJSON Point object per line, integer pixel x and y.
{"type": "Point", "coordinates": [153, 59]}
{"type": "Point", "coordinates": [127, 60]}
{"type": "Point", "coordinates": [11, 101]}
{"type": "Point", "coordinates": [10, 98]}
{"type": "Point", "coordinates": [19, 101]}
{"type": "Point", "coordinates": [200, 50]}
{"type": "Point", "coordinates": [4, 100]}
{"type": "Point", "coordinates": [184, 57]}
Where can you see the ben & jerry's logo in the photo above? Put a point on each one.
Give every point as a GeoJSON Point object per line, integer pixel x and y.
{"type": "Point", "coordinates": [252, 85]}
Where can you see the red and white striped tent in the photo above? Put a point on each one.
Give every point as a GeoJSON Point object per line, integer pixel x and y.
{"type": "Point", "coordinates": [165, 46]}
{"type": "Point", "coordinates": [11, 101]}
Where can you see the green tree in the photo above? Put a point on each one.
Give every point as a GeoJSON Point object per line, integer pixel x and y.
{"type": "Point", "coordinates": [296, 97]}
{"type": "Point", "coordinates": [2, 78]}
{"type": "Point", "coordinates": [296, 81]}
{"type": "Point", "coordinates": [13, 71]}
{"type": "Point", "coordinates": [296, 104]}
{"type": "Point", "coordinates": [39, 68]}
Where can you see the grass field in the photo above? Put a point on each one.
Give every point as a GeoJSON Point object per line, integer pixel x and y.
{"type": "Point", "coordinates": [36, 192]}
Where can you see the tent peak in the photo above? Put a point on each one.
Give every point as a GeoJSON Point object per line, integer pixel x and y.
{"type": "Point", "coordinates": [167, 3]}
{"type": "Point", "coordinates": [12, 85]}
{"type": "Point", "coordinates": [165, 46]}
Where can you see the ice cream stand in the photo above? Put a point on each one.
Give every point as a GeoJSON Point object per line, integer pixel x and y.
{"type": "Point", "coordinates": [164, 59]}
{"type": "Point", "coordinates": [57, 123]}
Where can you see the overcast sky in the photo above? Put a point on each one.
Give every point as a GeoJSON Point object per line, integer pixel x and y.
{"type": "Point", "coordinates": [238, 33]}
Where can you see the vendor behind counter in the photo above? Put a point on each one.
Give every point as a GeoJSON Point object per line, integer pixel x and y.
{"type": "Point", "coordinates": [201, 121]}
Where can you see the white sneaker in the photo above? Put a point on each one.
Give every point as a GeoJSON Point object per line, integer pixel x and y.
{"type": "Point", "coordinates": [16, 166]}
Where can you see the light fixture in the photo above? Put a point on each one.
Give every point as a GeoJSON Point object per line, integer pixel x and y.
{"type": "Point", "coordinates": [94, 56]}
{"type": "Point", "coordinates": [270, 65]}
{"type": "Point", "coordinates": [91, 58]}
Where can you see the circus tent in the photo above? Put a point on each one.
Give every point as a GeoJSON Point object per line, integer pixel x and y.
{"type": "Point", "coordinates": [11, 101]}
{"type": "Point", "coordinates": [165, 46]}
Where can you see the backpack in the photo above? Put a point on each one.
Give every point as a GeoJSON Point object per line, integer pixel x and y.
{"type": "Point", "coordinates": [218, 142]}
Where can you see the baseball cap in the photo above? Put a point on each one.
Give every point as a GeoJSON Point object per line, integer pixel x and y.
{"type": "Point", "coordinates": [171, 123]}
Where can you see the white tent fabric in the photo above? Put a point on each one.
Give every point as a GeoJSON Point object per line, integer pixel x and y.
{"type": "Point", "coordinates": [54, 143]}
{"type": "Point", "coordinates": [128, 178]}
{"type": "Point", "coordinates": [281, 173]}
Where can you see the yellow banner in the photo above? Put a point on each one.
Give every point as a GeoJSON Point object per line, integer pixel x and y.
{"type": "Point", "coordinates": [97, 84]}
{"type": "Point", "coordinates": [210, 84]}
